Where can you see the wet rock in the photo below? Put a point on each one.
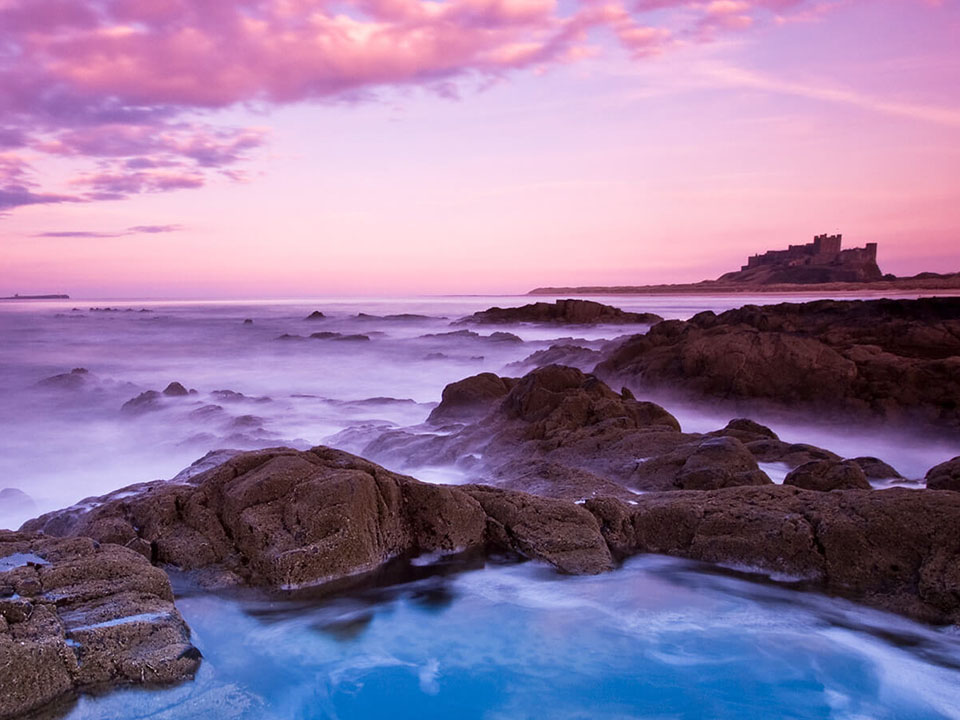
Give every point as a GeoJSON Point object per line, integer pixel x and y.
{"type": "Point", "coordinates": [945, 476]}
{"type": "Point", "coordinates": [790, 454]}
{"type": "Point", "coordinates": [573, 312]}
{"type": "Point", "coordinates": [501, 336]}
{"type": "Point", "coordinates": [76, 379]}
{"type": "Point", "coordinates": [826, 475]}
{"type": "Point", "coordinates": [175, 389]}
{"type": "Point", "coordinates": [470, 398]}
{"type": "Point", "coordinates": [147, 401]}
{"type": "Point", "coordinates": [315, 315]}
{"type": "Point", "coordinates": [746, 430]}
{"type": "Point", "coordinates": [718, 463]}
{"type": "Point", "coordinates": [286, 518]}
{"type": "Point", "coordinates": [892, 359]}
{"type": "Point", "coordinates": [877, 469]}
{"type": "Point", "coordinates": [570, 355]}
{"type": "Point", "coordinates": [894, 549]}
{"type": "Point", "coordinates": [248, 321]}
{"type": "Point", "coordinates": [84, 616]}
{"type": "Point", "coordinates": [287, 337]}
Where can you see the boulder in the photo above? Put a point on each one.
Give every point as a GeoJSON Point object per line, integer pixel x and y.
{"type": "Point", "coordinates": [826, 475]}
{"type": "Point", "coordinates": [146, 401]}
{"type": "Point", "coordinates": [877, 469]}
{"type": "Point", "coordinates": [469, 398]}
{"type": "Point", "coordinates": [78, 615]}
{"type": "Point", "coordinates": [315, 315]}
{"type": "Point", "coordinates": [569, 312]}
{"type": "Point", "coordinates": [175, 389]}
{"type": "Point", "coordinates": [945, 476]}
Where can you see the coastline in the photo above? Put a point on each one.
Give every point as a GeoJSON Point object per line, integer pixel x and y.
{"type": "Point", "coordinates": [941, 285]}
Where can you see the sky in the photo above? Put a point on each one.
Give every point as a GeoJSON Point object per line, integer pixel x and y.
{"type": "Point", "coordinates": [291, 148]}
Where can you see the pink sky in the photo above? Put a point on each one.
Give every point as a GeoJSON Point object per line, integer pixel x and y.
{"type": "Point", "coordinates": [189, 148]}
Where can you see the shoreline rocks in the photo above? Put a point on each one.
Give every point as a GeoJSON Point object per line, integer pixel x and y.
{"type": "Point", "coordinates": [569, 312]}
{"type": "Point", "coordinates": [77, 615]}
{"type": "Point", "coordinates": [286, 519]}
{"type": "Point", "coordinates": [882, 358]}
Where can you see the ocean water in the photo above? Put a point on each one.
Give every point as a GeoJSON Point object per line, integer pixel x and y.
{"type": "Point", "coordinates": [659, 638]}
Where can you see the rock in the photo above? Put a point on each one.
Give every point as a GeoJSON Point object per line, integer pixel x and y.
{"type": "Point", "coordinates": [572, 312]}
{"type": "Point", "coordinates": [175, 389]}
{"type": "Point", "coordinates": [718, 463]}
{"type": "Point", "coordinates": [570, 355]}
{"type": "Point", "coordinates": [893, 359]}
{"type": "Point", "coordinates": [826, 475]}
{"type": "Point", "coordinates": [12, 499]}
{"type": "Point", "coordinates": [285, 518]}
{"type": "Point", "coordinates": [83, 616]}
{"type": "Point", "coordinates": [561, 433]}
{"type": "Point", "coordinates": [747, 430]}
{"type": "Point", "coordinates": [315, 315]}
{"type": "Point", "coordinates": [76, 379]}
{"type": "Point", "coordinates": [147, 401]}
{"type": "Point", "coordinates": [469, 398]}
{"type": "Point", "coordinates": [501, 336]}
{"type": "Point", "coordinates": [895, 549]}
{"type": "Point", "coordinates": [877, 469]}
{"type": "Point", "coordinates": [248, 321]}
{"type": "Point", "coordinates": [790, 454]}
{"type": "Point", "coordinates": [945, 476]}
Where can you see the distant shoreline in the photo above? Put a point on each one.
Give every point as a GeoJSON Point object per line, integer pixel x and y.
{"type": "Point", "coordinates": [948, 283]}
{"type": "Point", "coordinates": [36, 297]}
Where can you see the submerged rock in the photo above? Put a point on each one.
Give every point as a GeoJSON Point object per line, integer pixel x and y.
{"type": "Point", "coordinates": [315, 315]}
{"type": "Point", "coordinates": [76, 379]}
{"type": "Point", "coordinates": [571, 312]}
{"type": "Point", "coordinates": [77, 615]}
{"type": "Point", "coordinates": [945, 476]}
{"type": "Point", "coordinates": [146, 401]}
{"type": "Point", "coordinates": [885, 358]}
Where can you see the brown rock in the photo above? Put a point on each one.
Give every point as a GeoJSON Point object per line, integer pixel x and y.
{"type": "Point", "coordinates": [826, 475]}
{"type": "Point", "coordinates": [895, 549]}
{"type": "Point", "coordinates": [877, 469]}
{"type": "Point", "coordinates": [881, 358]}
{"type": "Point", "coordinates": [84, 615]}
{"type": "Point", "coordinates": [945, 476]}
{"type": "Point", "coordinates": [469, 398]}
{"type": "Point", "coordinates": [286, 518]}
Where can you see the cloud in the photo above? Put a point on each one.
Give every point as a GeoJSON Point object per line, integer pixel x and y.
{"type": "Point", "coordinates": [119, 84]}
{"type": "Point", "coordinates": [136, 230]}
{"type": "Point", "coordinates": [740, 77]}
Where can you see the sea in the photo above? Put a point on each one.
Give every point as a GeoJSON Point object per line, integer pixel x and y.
{"type": "Point", "coordinates": [439, 637]}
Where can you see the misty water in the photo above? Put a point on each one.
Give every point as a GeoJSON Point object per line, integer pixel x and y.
{"type": "Point", "coordinates": [657, 638]}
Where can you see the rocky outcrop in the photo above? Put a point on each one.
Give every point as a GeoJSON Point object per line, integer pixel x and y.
{"type": "Point", "coordinates": [77, 615]}
{"type": "Point", "coordinates": [885, 358]}
{"type": "Point", "coordinates": [562, 433]}
{"type": "Point", "coordinates": [570, 312]}
{"type": "Point", "coordinates": [175, 389]}
{"type": "Point", "coordinates": [285, 518]}
{"type": "Point", "coordinates": [895, 549]}
{"type": "Point", "coordinates": [470, 398]}
{"type": "Point", "coordinates": [945, 476]}
{"type": "Point", "coordinates": [315, 315]}
{"type": "Point", "coordinates": [877, 469]}
{"type": "Point", "coordinates": [826, 475]}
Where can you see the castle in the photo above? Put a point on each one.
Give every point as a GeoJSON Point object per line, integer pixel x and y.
{"type": "Point", "coordinates": [823, 260]}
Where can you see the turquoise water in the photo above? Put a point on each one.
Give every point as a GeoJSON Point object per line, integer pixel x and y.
{"type": "Point", "coordinates": [659, 638]}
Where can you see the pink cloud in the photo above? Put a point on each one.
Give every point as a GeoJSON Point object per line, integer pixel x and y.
{"type": "Point", "coordinates": [117, 82]}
